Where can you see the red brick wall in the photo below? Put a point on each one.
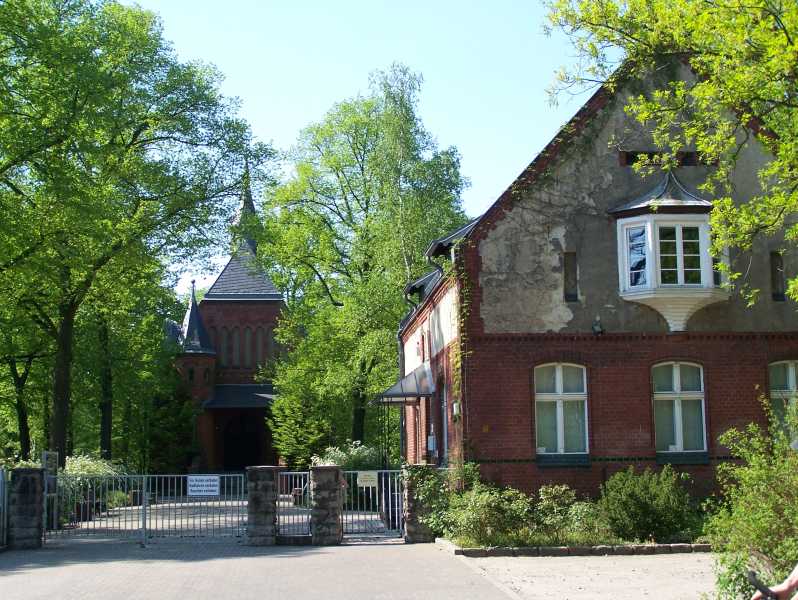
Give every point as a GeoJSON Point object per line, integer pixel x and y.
{"type": "Point", "coordinates": [199, 388]}
{"type": "Point", "coordinates": [241, 315]}
{"type": "Point", "coordinates": [499, 399]}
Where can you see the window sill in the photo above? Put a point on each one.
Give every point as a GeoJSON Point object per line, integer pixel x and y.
{"type": "Point", "coordinates": [682, 458]}
{"type": "Point", "coordinates": [562, 460]}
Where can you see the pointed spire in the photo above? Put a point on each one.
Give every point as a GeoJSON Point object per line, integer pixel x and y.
{"type": "Point", "coordinates": [195, 336]}
{"type": "Point", "coordinates": [246, 209]}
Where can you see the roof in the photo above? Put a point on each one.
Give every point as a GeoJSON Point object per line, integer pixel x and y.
{"type": "Point", "coordinates": [243, 279]}
{"type": "Point", "coordinates": [246, 210]}
{"type": "Point", "coordinates": [442, 246]}
{"type": "Point", "coordinates": [241, 396]}
{"type": "Point", "coordinates": [418, 384]}
{"type": "Point", "coordinates": [668, 195]}
{"type": "Point", "coordinates": [194, 336]}
{"type": "Point", "coordinates": [425, 284]}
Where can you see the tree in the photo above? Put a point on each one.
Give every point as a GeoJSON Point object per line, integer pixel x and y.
{"type": "Point", "coordinates": [343, 236]}
{"type": "Point", "coordinates": [112, 152]}
{"type": "Point", "coordinates": [744, 58]}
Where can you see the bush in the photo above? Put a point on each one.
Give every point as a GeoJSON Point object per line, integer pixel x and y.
{"type": "Point", "coordinates": [757, 523]}
{"type": "Point", "coordinates": [647, 505]}
{"type": "Point", "coordinates": [552, 510]}
{"type": "Point", "coordinates": [353, 456]}
{"type": "Point", "coordinates": [489, 516]}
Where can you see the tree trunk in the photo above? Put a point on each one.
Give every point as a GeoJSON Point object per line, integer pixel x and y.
{"type": "Point", "coordinates": [22, 424]}
{"type": "Point", "coordinates": [106, 392]}
{"type": "Point", "coordinates": [62, 381]}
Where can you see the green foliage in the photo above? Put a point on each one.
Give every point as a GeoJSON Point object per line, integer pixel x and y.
{"type": "Point", "coordinates": [744, 60]}
{"type": "Point", "coordinates": [756, 525]}
{"type": "Point", "coordinates": [352, 456]}
{"type": "Point", "coordinates": [647, 506]}
{"type": "Point", "coordinates": [552, 510]}
{"type": "Point", "coordinates": [487, 515]}
{"type": "Point", "coordinates": [116, 159]}
{"type": "Point", "coordinates": [343, 235]}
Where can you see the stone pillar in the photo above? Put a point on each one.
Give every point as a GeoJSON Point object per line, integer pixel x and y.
{"type": "Point", "coordinates": [326, 505]}
{"type": "Point", "coordinates": [26, 508]}
{"type": "Point", "coordinates": [262, 505]}
{"type": "Point", "coordinates": [415, 531]}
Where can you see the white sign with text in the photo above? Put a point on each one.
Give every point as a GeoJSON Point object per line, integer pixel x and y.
{"type": "Point", "coordinates": [367, 479]}
{"type": "Point", "coordinates": [203, 485]}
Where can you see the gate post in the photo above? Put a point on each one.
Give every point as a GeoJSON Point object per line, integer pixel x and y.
{"type": "Point", "coordinates": [326, 505]}
{"type": "Point", "coordinates": [262, 505]}
{"type": "Point", "coordinates": [414, 511]}
{"type": "Point", "coordinates": [26, 509]}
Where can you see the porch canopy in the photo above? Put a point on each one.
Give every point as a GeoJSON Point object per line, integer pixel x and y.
{"type": "Point", "coordinates": [411, 387]}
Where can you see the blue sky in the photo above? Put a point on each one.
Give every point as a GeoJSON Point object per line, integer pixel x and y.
{"type": "Point", "coordinates": [486, 68]}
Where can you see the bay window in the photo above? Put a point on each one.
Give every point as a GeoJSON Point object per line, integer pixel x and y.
{"type": "Point", "coordinates": [679, 423]}
{"type": "Point", "coordinates": [561, 409]}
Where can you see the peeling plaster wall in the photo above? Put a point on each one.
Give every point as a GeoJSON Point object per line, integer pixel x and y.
{"type": "Point", "coordinates": [566, 211]}
{"type": "Point", "coordinates": [438, 329]}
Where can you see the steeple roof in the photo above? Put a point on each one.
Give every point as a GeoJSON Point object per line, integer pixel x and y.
{"type": "Point", "coordinates": [246, 210]}
{"type": "Point", "coordinates": [243, 279]}
{"type": "Point", "coordinates": [195, 336]}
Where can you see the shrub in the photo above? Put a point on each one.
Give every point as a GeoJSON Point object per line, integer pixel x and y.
{"type": "Point", "coordinates": [647, 505]}
{"type": "Point", "coordinates": [552, 510]}
{"type": "Point", "coordinates": [757, 523]}
{"type": "Point", "coordinates": [352, 456]}
{"type": "Point", "coordinates": [487, 515]}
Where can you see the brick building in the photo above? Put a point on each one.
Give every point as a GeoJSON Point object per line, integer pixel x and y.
{"type": "Point", "coordinates": [225, 339]}
{"type": "Point", "coordinates": [589, 329]}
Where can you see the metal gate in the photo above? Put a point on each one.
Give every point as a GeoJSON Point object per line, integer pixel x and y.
{"type": "Point", "coordinates": [293, 503]}
{"type": "Point", "coordinates": [146, 506]}
{"type": "Point", "coordinates": [373, 503]}
{"type": "Point", "coordinates": [3, 508]}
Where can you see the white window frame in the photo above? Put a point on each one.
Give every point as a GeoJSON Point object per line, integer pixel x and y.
{"type": "Point", "coordinates": [560, 397]}
{"type": "Point", "coordinates": [651, 225]}
{"type": "Point", "coordinates": [676, 396]}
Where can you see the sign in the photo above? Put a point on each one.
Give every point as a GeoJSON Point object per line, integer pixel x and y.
{"type": "Point", "coordinates": [367, 479]}
{"type": "Point", "coordinates": [203, 485]}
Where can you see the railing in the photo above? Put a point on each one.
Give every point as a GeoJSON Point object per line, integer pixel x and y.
{"type": "Point", "coordinates": [145, 506]}
{"type": "Point", "coordinates": [3, 508]}
{"type": "Point", "coordinates": [373, 503]}
{"type": "Point", "coordinates": [293, 503]}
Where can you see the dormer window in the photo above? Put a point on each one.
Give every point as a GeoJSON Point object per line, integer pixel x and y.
{"type": "Point", "coordinates": [663, 250]}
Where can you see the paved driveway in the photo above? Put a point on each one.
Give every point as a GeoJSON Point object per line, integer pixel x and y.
{"type": "Point", "coordinates": [217, 570]}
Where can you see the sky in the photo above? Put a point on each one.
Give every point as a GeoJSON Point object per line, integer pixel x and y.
{"type": "Point", "coordinates": [486, 68]}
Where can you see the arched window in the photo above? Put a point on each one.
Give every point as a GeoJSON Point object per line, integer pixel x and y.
{"type": "Point", "coordinates": [679, 407]}
{"type": "Point", "coordinates": [561, 409]}
{"type": "Point", "coordinates": [191, 374]}
{"type": "Point", "coordinates": [236, 347]}
{"type": "Point", "coordinates": [223, 347]}
{"type": "Point", "coordinates": [271, 349]}
{"type": "Point", "coordinates": [247, 347]}
{"type": "Point", "coordinates": [782, 384]}
{"type": "Point", "coordinates": [259, 346]}
{"type": "Point", "coordinates": [214, 338]}
{"type": "Point", "coordinates": [206, 376]}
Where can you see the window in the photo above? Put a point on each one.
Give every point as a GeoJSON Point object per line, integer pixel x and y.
{"type": "Point", "coordinates": [782, 384]}
{"type": "Point", "coordinates": [247, 347]}
{"type": "Point", "coordinates": [637, 247]}
{"type": "Point", "coordinates": [561, 409]}
{"type": "Point", "coordinates": [223, 347]}
{"type": "Point", "coordinates": [206, 376]}
{"type": "Point", "coordinates": [777, 284]}
{"type": "Point", "coordinates": [191, 374]}
{"type": "Point", "coordinates": [236, 347]}
{"type": "Point", "coordinates": [679, 255]}
{"type": "Point", "coordinates": [259, 346]}
{"type": "Point", "coordinates": [570, 283]}
{"type": "Point", "coordinates": [679, 407]}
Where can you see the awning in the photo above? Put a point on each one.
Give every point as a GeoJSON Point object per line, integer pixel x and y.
{"type": "Point", "coordinates": [418, 384]}
{"type": "Point", "coordinates": [240, 396]}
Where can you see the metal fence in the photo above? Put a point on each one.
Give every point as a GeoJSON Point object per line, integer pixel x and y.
{"type": "Point", "coordinates": [3, 508]}
{"type": "Point", "coordinates": [146, 506]}
{"type": "Point", "coordinates": [293, 503]}
{"type": "Point", "coordinates": [373, 503]}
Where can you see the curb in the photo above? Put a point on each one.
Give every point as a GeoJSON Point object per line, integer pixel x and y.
{"type": "Point", "coordinates": [621, 550]}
